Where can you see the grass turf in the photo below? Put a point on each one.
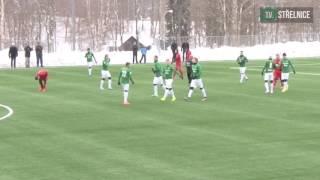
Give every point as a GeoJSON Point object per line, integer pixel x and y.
{"type": "Point", "coordinates": [76, 131]}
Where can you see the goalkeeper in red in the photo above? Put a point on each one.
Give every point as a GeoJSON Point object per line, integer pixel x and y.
{"type": "Point", "coordinates": [196, 81]}
{"type": "Point", "coordinates": [286, 67]}
{"type": "Point", "coordinates": [42, 77]}
{"type": "Point", "coordinates": [125, 77]}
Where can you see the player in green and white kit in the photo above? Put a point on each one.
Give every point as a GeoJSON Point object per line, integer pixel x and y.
{"type": "Point", "coordinates": [105, 73]}
{"type": "Point", "coordinates": [90, 57]}
{"type": "Point", "coordinates": [242, 60]}
{"type": "Point", "coordinates": [125, 77]}
{"type": "Point", "coordinates": [157, 80]}
{"type": "Point", "coordinates": [286, 67]}
{"type": "Point", "coordinates": [168, 72]}
{"type": "Point", "coordinates": [196, 81]}
{"type": "Point", "coordinates": [267, 72]}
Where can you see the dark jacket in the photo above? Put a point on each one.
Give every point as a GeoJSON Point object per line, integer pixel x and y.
{"type": "Point", "coordinates": [174, 46]}
{"type": "Point", "coordinates": [185, 46]}
{"type": "Point", "coordinates": [27, 51]}
{"type": "Point", "coordinates": [13, 52]}
{"type": "Point", "coordinates": [135, 49]}
{"type": "Point", "coordinates": [39, 49]}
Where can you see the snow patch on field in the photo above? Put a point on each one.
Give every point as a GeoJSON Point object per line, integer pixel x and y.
{"type": "Point", "coordinates": [65, 57]}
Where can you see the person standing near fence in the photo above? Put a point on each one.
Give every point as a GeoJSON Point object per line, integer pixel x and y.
{"type": "Point", "coordinates": [144, 51]}
{"type": "Point", "coordinates": [135, 53]}
{"type": "Point", "coordinates": [27, 50]}
{"type": "Point", "coordinates": [13, 54]}
{"type": "Point", "coordinates": [39, 55]}
{"type": "Point", "coordinates": [174, 48]}
{"type": "Point", "coordinates": [184, 49]}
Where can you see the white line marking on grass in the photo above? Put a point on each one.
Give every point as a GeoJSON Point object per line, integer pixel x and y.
{"type": "Point", "coordinates": [299, 73]}
{"type": "Point", "coordinates": [10, 112]}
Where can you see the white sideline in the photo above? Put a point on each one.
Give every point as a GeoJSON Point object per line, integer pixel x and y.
{"type": "Point", "coordinates": [10, 112]}
{"type": "Point", "coordinates": [302, 73]}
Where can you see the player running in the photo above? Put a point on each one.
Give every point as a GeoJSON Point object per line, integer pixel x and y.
{"type": "Point", "coordinates": [105, 73]}
{"type": "Point", "coordinates": [90, 57]}
{"type": "Point", "coordinates": [267, 72]}
{"type": "Point", "coordinates": [277, 71]}
{"type": "Point", "coordinates": [242, 60]}
{"type": "Point", "coordinates": [168, 76]}
{"type": "Point", "coordinates": [286, 67]}
{"type": "Point", "coordinates": [157, 80]}
{"type": "Point", "coordinates": [178, 63]}
{"type": "Point", "coordinates": [42, 77]}
{"type": "Point", "coordinates": [125, 77]}
{"type": "Point", "coordinates": [196, 80]}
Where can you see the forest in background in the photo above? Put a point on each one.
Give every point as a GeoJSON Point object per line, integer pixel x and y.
{"type": "Point", "coordinates": [95, 23]}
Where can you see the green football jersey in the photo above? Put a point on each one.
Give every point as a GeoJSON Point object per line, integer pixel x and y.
{"type": "Point", "coordinates": [168, 72]}
{"type": "Point", "coordinates": [286, 65]}
{"type": "Point", "coordinates": [106, 64]}
{"type": "Point", "coordinates": [89, 56]}
{"type": "Point", "coordinates": [196, 71]}
{"type": "Point", "coordinates": [242, 60]}
{"type": "Point", "coordinates": [157, 69]}
{"type": "Point", "coordinates": [268, 67]}
{"type": "Point", "coordinates": [125, 76]}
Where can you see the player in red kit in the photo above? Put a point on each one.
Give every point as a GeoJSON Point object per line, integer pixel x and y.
{"type": "Point", "coordinates": [178, 63]}
{"type": "Point", "coordinates": [42, 77]}
{"type": "Point", "coordinates": [277, 71]}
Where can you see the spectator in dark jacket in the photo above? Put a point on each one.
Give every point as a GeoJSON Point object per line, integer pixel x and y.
{"type": "Point", "coordinates": [13, 54]}
{"type": "Point", "coordinates": [174, 47]}
{"type": "Point", "coordinates": [27, 50]}
{"type": "Point", "coordinates": [39, 55]}
{"type": "Point", "coordinates": [184, 49]}
{"type": "Point", "coordinates": [135, 53]}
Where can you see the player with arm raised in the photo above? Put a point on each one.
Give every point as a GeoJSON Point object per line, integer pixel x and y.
{"type": "Point", "coordinates": [286, 67]}
{"type": "Point", "coordinates": [267, 72]}
{"type": "Point", "coordinates": [157, 80]}
{"type": "Point", "coordinates": [196, 81]}
{"type": "Point", "coordinates": [242, 60]}
{"type": "Point", "coordinates": [168, 71]}
{"type": "Point", "coordinates": [125, 76]}
{"type": "Point", "coordinates": [90, 57]}
{"type": "Point", "coordinates": [105, 73]}
{"type": "Point", "coordinates": [178, 63]}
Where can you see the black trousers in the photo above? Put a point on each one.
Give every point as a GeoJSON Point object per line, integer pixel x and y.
{"type": "Point", "coordinates": [184, 55]}
{"type": "Point", "coordinates": [135, 59]}
{"type": "Point", "coordinates": [189, 74]}
{"type": "Point", "coordinates": [143, 57]}
{"type": "Point", "coordinates": [39, 61]}
{"type": "Point", "coordinates": [13, 62]}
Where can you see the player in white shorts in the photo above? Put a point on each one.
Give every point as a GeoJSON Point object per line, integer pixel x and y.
{"type": "Point", "coordinates": [267, 72]}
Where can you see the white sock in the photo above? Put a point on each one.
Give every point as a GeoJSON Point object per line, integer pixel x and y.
{"type": "Point", "coordinates": [109, 84]}
{"type": "Point", "coordinates": [190, 93]}
{"type": "Point", "coordinates": [101, 84]}
{"type": "Point", "coordinates": [204, 94]}
{"type": "Point", "coordinates": [90, 71]}
{"type": "Point", "coordinates": [166, 94]}
{"type": "Point", "coordinates": [241, 78]}
{"type": "Point", "coordinates": [271, 87]}
{"type": "Point", "coordinates": [266, 85]}
{"type": "Point", "coordinates": [155, 90]}
{"type": "Point", "coordinates": [125, 96]}
{"type": "Point", "coordinates": [172, 94]}
{"type": "Point", "coordinates": [245, 76]}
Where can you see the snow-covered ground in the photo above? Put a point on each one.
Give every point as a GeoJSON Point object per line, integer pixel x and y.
{"type": "Point", "coordinates": [65, 57]}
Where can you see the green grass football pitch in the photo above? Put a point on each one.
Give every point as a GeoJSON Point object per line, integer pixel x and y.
{"type": "Point", "coordinates": [77, 132]}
